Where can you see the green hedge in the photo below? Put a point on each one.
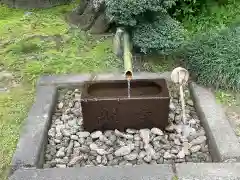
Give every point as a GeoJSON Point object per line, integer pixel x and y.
{"type": "Point", "coordinates": [214, 58]}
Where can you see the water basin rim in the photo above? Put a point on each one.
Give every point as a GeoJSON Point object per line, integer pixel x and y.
{"type": "Point", "coordinates": [124, 98]}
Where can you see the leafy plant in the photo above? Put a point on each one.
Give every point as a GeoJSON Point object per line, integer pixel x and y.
{"type": "Point", "coordinates": [163, 35]}
{"type": "Point", "coordinates": [151, 27]}
{"type": "Point", "coordinates": [214, 58]}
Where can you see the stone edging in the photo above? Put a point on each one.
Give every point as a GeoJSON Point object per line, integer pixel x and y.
{"type": "Point", "coordinates": [29, 152]}
{"type": "Point", "coordinates": [189, 171]}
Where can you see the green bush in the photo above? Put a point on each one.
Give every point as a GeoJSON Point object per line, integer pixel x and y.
{"type": "Point", "coordinates": [186, 8]}
{"type": "Point", "coordinates": [215, 58]}
{"type": "Point", "coordinates": [148, 22]}
{"type": "Point", "coordinates": [164, 35]}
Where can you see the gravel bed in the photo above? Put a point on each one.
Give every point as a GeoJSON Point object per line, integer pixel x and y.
{"type": "Point", "coordinates": [70, 146]}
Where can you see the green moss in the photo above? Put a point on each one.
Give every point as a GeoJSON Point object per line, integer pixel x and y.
{"type": "Point", "coordinates": [13, 110]}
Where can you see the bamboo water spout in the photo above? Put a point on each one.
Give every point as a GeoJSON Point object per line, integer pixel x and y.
{"type": "Point", "coordinates": [122, 47]}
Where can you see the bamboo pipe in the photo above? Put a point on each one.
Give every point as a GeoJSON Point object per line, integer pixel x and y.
{"type": "Point", "coordinates": [127, 56]}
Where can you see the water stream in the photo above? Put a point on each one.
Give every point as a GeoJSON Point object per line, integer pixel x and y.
{"type": "Point", "coordinates": [129, 87]}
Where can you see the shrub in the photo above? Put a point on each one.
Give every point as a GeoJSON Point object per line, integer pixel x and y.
{"type": "Point", "coordinates": [215, 58]}
{"type": "Point", "coordinates": [163, 35]}
{"type": "Point", "coordinates": [148, 22]}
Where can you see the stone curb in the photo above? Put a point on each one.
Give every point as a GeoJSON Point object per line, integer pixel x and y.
{"type": "Point", "coordinates": [222, 139]}
{"type": "Point", "coordinates": [208, 171]}
{"type": "Point", "coordinates": [66, 80]}
{"type": "Point", "coordinates": [34, 132]}
{"type": "Point", "coordinates": [29, 152]}
{"type": "Point", "coordinates": [141, 172]}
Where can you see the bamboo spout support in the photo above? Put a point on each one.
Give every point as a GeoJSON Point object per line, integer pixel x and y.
{"type": "Point", "coordinates": [127, 56]}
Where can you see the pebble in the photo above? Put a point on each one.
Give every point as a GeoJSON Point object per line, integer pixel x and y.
{"type": "Point", "coordinates": [75, 160]}
{"type": "Point", "coordinates": [99, 159]}
{"type": "Point", "coordinates": [74, 137]}
{"type": "Point", "coordinates": [60, 105]}
{"type": "Point", "coordinates": [83, 134]}
{"type": "Point", "coordinates": [194, 149]}
{"type": "Point", "coordinates": [125, 150]}
{"type": "Point", "coordinates": [147, 158]}
{"type": "Point", "coordinates": [61, 152]}
{"type": "Point", "coordinates": [70, 146]}
{"type": "Point", "coordinates": [167, 155]}
{"type": "Point", "coordinates": [96, 134]}
{"type": "Point", "coordinates": [131, 156]}
{"type": "Point", "coordinates": [157, 131]}
{"type": "Point", "coordinates": [61, 165]}
{"type": "Point", "coordinates": [145, 135]}
{"type": "Point", "coordinates": [181, 154]}
{"type": "Point", "coordinates": [198, 140]}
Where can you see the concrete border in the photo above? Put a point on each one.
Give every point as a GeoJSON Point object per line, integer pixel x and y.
{"type": "Point", "coordinates": [34, 131]}
{"type": "Point", "coordinates": [208, 171]}
{"type": "Point", "coordinates": [29, 152]}
{"type": "Point", "coordinates": [141, 172]}
{"type": "Point", "coordinates": [223, 142]}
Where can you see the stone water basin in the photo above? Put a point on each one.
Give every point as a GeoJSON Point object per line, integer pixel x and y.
{"type": "Point", "coordinates": [76, 138]}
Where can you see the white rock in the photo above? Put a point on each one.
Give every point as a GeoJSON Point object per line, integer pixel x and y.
{"type": "Point", "coordinates": [83, 134]}
{"type": "Point", "coordinates": [198, 140]}
{"type": "Point", "coordinates": [177, 142]}
{"type": "Point", "coordinates": [103, 138]}
{"type": "Point", "coordinates": [75, 160]}
{"type": "Point", "coordinates": [181, 154]}
{"type": "Point", "coordinates": [60, 105]}
{"type": "Point", "coordinates": [61, 152]}
{"type": "Point", "coordinates": [167, 155]}
{"type": "Point", "coordinates": [196, 148]}
{"type": "Point", "coordinates": [99, 159]}
{"type": "Point", "coordinates": [101, 151]}
{"type": "Point", "coordinates": [131, 131]}
{"type": "Point", "coordinates": [157, 131]}
{"type": "Point", "coordinates": [142, 154]}
{"type": "Point", "coordinates": [96, 134]}
{"type": "Point", "coordinates": [131, 156]}
{"type": "Point", "coordinates": [93, 146]}
{"type": "Point", "coordinates": [187, 131]}
{"type": "Point", "coordinates": [76, 144]}
{"type": "Point", "coordinates": [145, 135]}
{"type": "Point", "coordinates": [149, 150]}
{"type": "Point", "coordinates": [185, 148]}
{"type": "Point", "coordinates": [147, 158]}
{"type": "Point", "coordinates": [125, 150]}
{"type": "Point", "coordinates": [52, 132]}
{"type": "Point", "coordinates": [170, 128]}
{"type": "Point", "coordinates": [74, 137]}
{"type": "Point", "coordinates": [61, 165]}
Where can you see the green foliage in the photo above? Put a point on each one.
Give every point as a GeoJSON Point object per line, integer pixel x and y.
{"type": "Point", "coordinates": [128, 13]}
{"type": "Point", "coordinates": [163, 35]}
{"type": "Point", "coordinates": [148, 22]}
{"type": "Point", "coordinates": [215, 17]}
{"type": "Point", "coordinates": [214, 58]}
{"type": "Point", "coordinates": [185, 8]}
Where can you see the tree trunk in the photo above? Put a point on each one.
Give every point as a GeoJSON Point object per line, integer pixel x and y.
{"type": "Point", "coordinates": [90, 16]}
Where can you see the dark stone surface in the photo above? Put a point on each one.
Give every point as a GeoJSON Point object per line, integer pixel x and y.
{"type": "Point", "coordinates": [34, 132]}
{"type": "Point", "coordinates": [143, 172]}
{"type": "Point", "coordinates": [100, 25]}
{"type": "Point", "coordinates": [137, 75]}
{"type": "Point", "coordinates": [223, 142]}
{"type": "Point", "coordinates": [208, 171]}
{"type": "Point", "coordinates": [112, 108]}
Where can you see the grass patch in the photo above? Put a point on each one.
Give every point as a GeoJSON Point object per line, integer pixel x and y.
{"type": "Point", "coordinates": [35, 43]}
{"type": "Point", "coordinates": [13, 109]}
{"type": "Point", "coordinates": [214, 58]}
{"type": "Point", "coordinates": [213, 17]}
